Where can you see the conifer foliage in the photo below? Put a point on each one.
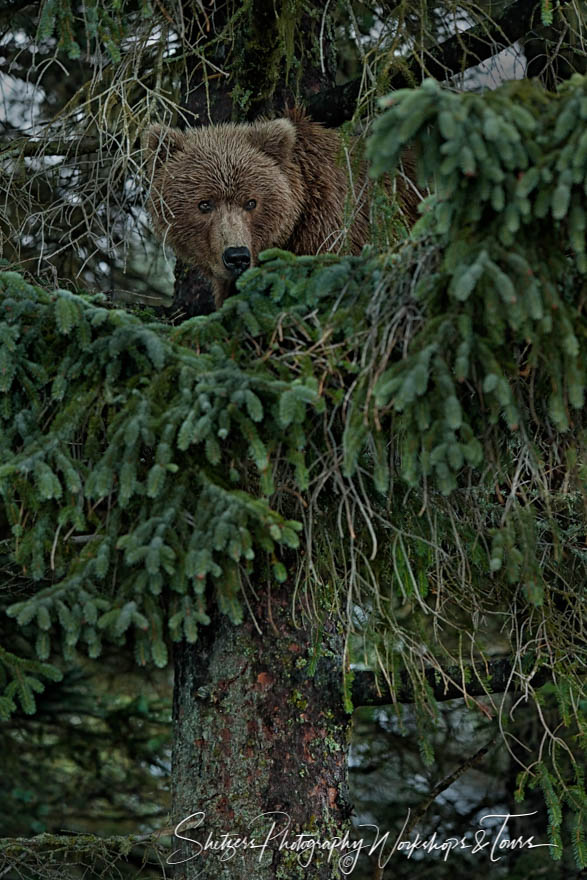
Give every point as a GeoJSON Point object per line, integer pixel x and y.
{"type": "Point", "coordinates": [411, 425]}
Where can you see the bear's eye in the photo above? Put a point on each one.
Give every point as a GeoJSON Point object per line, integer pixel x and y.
{"type": "Point", "coordinates": [205, 206]}
{"type": "Point", "coordinates": [250, 205]}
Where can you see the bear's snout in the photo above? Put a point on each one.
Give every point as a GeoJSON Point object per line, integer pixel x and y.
{"type": "Point", "coordinates": [236, 259]}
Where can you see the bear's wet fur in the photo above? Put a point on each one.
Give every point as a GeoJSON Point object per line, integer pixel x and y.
{"type": "Point", "coordinates": [221, 194]}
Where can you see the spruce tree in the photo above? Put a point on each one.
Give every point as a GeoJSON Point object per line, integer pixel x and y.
{"type": "Point", "coordinates": [383, 451]}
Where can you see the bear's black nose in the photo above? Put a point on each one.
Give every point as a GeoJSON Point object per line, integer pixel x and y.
{"type": "Point", "coordinates": [236, 259]}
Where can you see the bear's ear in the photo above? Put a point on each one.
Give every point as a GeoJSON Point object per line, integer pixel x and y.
{"type": "Point", "coordinates": [275, 138]}
{"type": "Point", "coordinates": [161, 143]}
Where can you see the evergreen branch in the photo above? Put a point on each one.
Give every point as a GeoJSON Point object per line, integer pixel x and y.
{"type": "Point", "coordinates": [426, 408]}
{"type": "Point", "coordinates": [464, 49]}
{"type": "Point", "coordinates": [445, 682]}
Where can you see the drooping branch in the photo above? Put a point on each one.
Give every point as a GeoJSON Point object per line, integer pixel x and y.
{"type": "Point", "coordinates": [441, 61]}
{"type": "Point", "coordinates": [495, 677]}
{"type": "Point", "coordinates": [38, 148]}
{"type": "Point", "coordinates": [440, 787]}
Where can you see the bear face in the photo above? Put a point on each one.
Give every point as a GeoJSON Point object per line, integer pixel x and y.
{"type": "Point", "coordinates": [221, 194]}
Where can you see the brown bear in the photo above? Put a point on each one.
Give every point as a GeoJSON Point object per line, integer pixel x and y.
{"type": "Point", "coordinates": [221, 194]}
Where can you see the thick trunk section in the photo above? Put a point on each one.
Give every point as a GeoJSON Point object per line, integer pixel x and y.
{"type": "Point", "coordinates": [259, 728]}
{"type": "Point", "coordinates": [260, 733]}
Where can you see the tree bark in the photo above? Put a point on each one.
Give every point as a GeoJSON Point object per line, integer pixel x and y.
{"type": "Point", "coordinates": [260, 733]}
{"type": "Point", "coordinates": [260, 746]}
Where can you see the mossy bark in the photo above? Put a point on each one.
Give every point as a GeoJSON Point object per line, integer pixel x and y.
{"type": "Point", "coordinates": [260, 732]}
{"type": "Point", "coordinates": [260, 747]}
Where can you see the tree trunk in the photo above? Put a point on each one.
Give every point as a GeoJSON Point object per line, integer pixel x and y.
{"type": "Point", "coordinates": [260, 734]}
{"type": "Point", "coordinates": [260, 748]}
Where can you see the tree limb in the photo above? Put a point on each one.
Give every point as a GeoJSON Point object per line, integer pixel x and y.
{"type": "Point", "coordinates": [500, 677]}
{"type": "Point", "coordinates": [9, 8]}
{"type": "Point", "coordinates": [445, 783]}
{"type": "Point", "coordinates": [40, 147]}
{"type": "Point", "coordinates": [462, 50]}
